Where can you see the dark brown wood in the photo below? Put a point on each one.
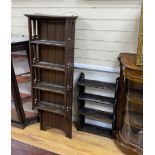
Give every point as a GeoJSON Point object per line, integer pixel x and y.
{"type": "Point", "coordinates": [49, 87]}
{"type": "Point", "coordinates": [22, 119]}
{"type": "Point", "coordinates": [96, 98]}
{"type": "Point", "coordinates": [50, 107]}
{"type": "Point", "coordinates": [16, 96]}
{"type": "Point", "coordinates": [51, 40]}
{"type": "Point", "coordinates": [19, 148]}
{"type": "Point", "coordinates": [81, 103]}
{"type": "Point", "coordinates": [97, 84]}
{"type": "Point", "coordinates": [90, 113]}
{"type": "Point", "coordinates": [129, 111]}
{"type": "Point", "coordinates": [97, 114]}
{"type": "Point", "coordinates": [49, 66]}
{"type": "Point", "coordinates": [97, 130]}
{"type": "Point", "coordinates": [43, 16]}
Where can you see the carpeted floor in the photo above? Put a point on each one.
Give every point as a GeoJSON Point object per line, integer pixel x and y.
{"type": "Point", "coordinates": [19, 148]}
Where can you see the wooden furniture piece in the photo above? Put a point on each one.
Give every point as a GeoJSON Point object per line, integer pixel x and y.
{"type": "Point", "coordinates": [20, 148]}
{"type": "Point", "coordinates": [99, 115]}
{"type": "Point", "coordinates": [18, 116]}
{"type": "Point", "coordinates": [129, 111]}
{"type": "Point", "coordinates": [51, 40]}
{"type": "Point", "coordinates": [140, 41]}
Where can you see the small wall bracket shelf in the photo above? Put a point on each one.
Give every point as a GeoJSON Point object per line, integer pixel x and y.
{"type": "Point", "coordinates": [99, 115]}
{"type": "Point", "coordinates": [51, 40]}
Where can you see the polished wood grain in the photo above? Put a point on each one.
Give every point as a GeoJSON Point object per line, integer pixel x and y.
{"type": "Point", "coordinates": [82, 143]}
{"type": "Point", "coordinates": [129, 113]}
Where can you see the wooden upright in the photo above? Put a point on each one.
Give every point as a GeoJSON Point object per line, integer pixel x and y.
{"type": "Point", "coordinates": [51, 40]}
{"type": "Point", "coordinates": [129, 111]}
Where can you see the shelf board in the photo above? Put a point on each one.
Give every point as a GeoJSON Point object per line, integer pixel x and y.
{"type": "Point", "coordinates": [18, 57]}
{"type": "Point", "coordinates": [50, 107]}
{"type": "Point", "coordinates": [97, 114]}
{"type": "Point", "coordinates": [96, 98]}
{"type": "Point", "coordinates": [25, 96]}
{"type": "Point", "coordinates": [49, 42]}
{"type": "Point", "coordinates": [49, 87]}
{"type": "Point", "coordinates": [22, 79]}
{"type": "Point", "coordinates": [96, 84]}
{"type": "Point", "coordinates": [97, 130]}
{"type": "Point", "coordinates": [49, 66]}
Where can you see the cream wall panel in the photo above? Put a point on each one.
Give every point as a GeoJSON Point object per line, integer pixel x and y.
{"type": "Point", "coordinates": [103, 29]}
{"type": "Point", "coordinates": [85, 24]}
{"type": "Point", "coordinates": [92, 54]}
{"type": "Point", "coordinates": [116, 25]}
{"type": "Point", "coordinates": [110, 36]}
{"type": "Point", "coordinates": [19, 30]}
{"type": "Point", "coordinates": [108, 46]}
{"type": "Point", "coordinates": [76, 3]}
{"type": "Point", "coordinates": [112, 64]}
{"type": "Point", "coordinates": [85, 13]}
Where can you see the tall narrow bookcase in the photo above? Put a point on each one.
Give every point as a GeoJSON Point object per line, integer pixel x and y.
{"type": "Point", "coordinates": [51, 40]}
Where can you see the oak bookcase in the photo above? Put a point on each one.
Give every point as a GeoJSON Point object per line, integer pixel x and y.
{"type": "Point", "coordinates": [51, 42]}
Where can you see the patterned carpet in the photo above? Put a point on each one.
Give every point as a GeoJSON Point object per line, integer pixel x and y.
{"type": "Point", "coordinates": [19, 148]}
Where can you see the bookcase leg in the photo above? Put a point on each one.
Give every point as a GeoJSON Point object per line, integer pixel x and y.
{"type": "Point", "coordinates": [41, 121]}
{"type": "Point", "coordinates": [68, 128]}
{"type": "Point", "coordinates": [81, 118]}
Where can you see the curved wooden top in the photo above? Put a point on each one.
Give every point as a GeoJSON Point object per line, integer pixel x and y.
{"type": "Point", "coordinates": [129, 61]}
{"type": "Point", "coordinates": [131, 71]}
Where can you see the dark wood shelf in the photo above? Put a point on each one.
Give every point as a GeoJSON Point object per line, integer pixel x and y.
{"type": "Point", "coordinates": [50, 107]}
{"type": "Point", "coordinates": [96, 84]}
{"type": "Point", "coordinates": [97, 130]}
{"type": "Point", "coordinates": [49, 87]}
{"type": "Point", "coordinates": [94, 114]}
{"type": "Point", "coordinates": [49, 42]}
{"type": "Point", "coordinates": [97, 114]}
{"type": "Point", "coordinates": [96, 98]}
{"type": "Point", "coordinates": [49, 66]}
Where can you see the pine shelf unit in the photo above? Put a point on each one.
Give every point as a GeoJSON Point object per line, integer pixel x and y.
{"type": "Point", "coordinates": [51, 40]}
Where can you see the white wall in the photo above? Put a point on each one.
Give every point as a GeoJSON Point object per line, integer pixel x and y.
{"type": "Point", "coordinates": [103, 30]}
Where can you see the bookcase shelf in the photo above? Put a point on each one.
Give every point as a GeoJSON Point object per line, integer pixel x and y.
{"type": "Point", "coordinates": [52, 54]}
{"type": "Point", "coordinates": [49, 66]}
{"type": "Point", "coordinates": [49, 87]}
{"type": "Point", "coordinates": [96, 114]}
{"type": "Point", "coordinates": [96, 98]}
{"type": "Point", "coordinates": [50, 107]}
{"type": "Point", "coordinates": [96, 84]}
{"type": "Point", "coordinates": [49, 42]}
{"type": "Point", "coordinates": [84, 112]}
